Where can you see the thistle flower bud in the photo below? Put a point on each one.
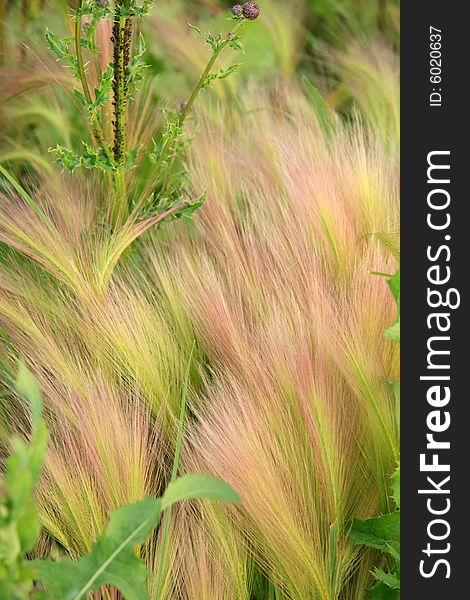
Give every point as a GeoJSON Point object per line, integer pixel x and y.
{"type": "Point", "coordinates": [250, 10]}
{"type": "Point", "coordinates": [183, 106]}
{"type": "Point", "coordinates": [237, 10]}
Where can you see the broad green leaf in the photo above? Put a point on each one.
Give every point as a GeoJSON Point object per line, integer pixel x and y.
{"type": "Point", "coordinates": [378, 532]}
{"type": "Point", "coordinates": [194, 486]}
{"type": "Point", "coordinates": [112, 560]}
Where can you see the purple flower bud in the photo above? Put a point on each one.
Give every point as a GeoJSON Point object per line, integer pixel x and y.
{"type": "Point", "coordinates": [250, 10]}
{"type": "Point", "coordinates": [237, 10]}
{"type": "Point", "coordinates": [183, 106]}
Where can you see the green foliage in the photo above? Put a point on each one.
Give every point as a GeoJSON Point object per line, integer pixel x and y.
{"type": "Point", "coordinates": [92, 158]}
{"type": "Point", "coordinates": [137, 65]}
{"type": "Point", "coordinates": [60, 47]}
{"type": "Point", "coordinates": [382, 533]}
{"type": "Point", "coordinates": [393, 332]}
{"type": "Point", "coordinates": [19, 525]}
{"type": "Point", "coordinates": [113, 559]}
{"type": "Point", "coordinates": [222, 73]}
{"type": "Point", "coordinates": [395, 486]}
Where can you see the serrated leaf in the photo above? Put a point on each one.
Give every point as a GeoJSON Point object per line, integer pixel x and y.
{"type": "Point", "coordinates": [225, 72]}
{"type": "Point", "coordinates": [104, 87]}
{"type": "Point", "coordinates": [377, 532]}
{"type": "Point", "coordinates": [236, 44]}
{"type": "Point", "coordinates": [136, 66]}
{"type": "Point", "coordinates": [61, 49]}
{"type": "Point", "coordinates": [112, 560]}
{"type": "Point", "coordinates": [390, 579]}
{"type": "Point", "coordinates": [189, 209]}
{"type": "Point", "coordinates": [193, 486]}
{"type": "Point", "coordinates": [65, 157]}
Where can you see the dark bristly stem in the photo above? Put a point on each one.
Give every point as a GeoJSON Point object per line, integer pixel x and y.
{"type": "Point", "coordinates": [121, 38]}
{"type": "Point", "coordinates": [97, 130]}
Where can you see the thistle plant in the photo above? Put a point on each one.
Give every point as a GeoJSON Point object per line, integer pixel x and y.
{"type": "Point", "coordinates": [117, 83]}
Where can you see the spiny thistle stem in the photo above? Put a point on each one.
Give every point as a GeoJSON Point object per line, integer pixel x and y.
{"type": "Point", "coordinates": [121, 39]}
{"type": "Point", "coordinates": [98, 132]}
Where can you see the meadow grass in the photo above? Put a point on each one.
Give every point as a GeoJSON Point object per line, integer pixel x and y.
{"type": "Point", "coordinates": [269, 290]}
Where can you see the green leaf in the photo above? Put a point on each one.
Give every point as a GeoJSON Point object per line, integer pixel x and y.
{"type": "Point", "coordinates": [226, 71]}
{"type": "Point", "coordinates": [378, 532]}
{"type": "Point", "coordinates": [112, 560]}
{"type": "Point", "coordinates": [19, 524]}
{"type": "Point", "coordinates": [189, 209]}
{"type": "Point", "coordinates": [383, 592]}
{"type": "Point", "coordinates": [390, 579]}
{"type": "Point", "coordinates": [65, 157]}
{"type": "Point", "coordinates": [393, 332]}
{"type": "Point", "coordinates": [104, 87]}
{"type": "Point", "coordinates": [396, 486]}
{"type": "Point", "coordinates": [193, 486]}
{"type": "Point", "coordinates": [394, 285]}
{"type": "Point", "coordinates": [92, 158]}
{"type": "Point", "coordinates": [136, 66]}
{"type": "Point", "coordinates": [60, 48]}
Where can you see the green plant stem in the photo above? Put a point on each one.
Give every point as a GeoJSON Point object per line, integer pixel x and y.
{"type": "Point", "coordinates": [98, 132]}
{"type": "Point", "coordinates": [200, 84]}
{"type": "Point", "coordinates": [174, 473]}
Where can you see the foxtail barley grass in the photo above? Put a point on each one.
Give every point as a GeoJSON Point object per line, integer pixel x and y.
{"type": "Point", "coordinates": [289, 400]}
